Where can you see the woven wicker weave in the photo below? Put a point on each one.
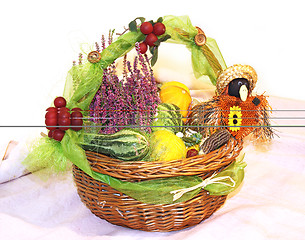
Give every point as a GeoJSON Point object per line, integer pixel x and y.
{"type": "Point", "coordinates": [117, 208]}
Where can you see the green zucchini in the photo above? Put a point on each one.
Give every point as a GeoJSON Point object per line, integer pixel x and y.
{"type": "Point", "coordinates": [128, 144]}
{"type": "Point", "coordinates": [168, 117]}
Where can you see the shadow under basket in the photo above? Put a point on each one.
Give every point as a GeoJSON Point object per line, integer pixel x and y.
{"type": "Point", "coordinates": [120, 209]}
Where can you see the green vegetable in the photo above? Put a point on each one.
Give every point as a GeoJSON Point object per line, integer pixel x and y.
{"type": "Point", "coordinates": [192, 139]}
{"type": "Point", "coordinates": [128, 144]}
{"type": "Point", "coordinates": [168, 117]}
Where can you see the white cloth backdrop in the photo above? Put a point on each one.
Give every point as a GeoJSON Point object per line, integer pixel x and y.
{"type": "Point", "coordinates": [39, 40]}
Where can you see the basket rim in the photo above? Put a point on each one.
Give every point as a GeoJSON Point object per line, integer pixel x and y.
{"type": "Point", "coordinates": [141, 170]}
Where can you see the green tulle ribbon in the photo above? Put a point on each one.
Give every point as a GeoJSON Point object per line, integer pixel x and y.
{"type": "Point", "coordinates": [83, 81]}
{"type": "Point", "coordinates": [53, 156]}
{"type": "Point", "coordinates": [222, 183]}
{"type": "Point", "coordinates": [158, 191]}
{"type": "Point", "coordinates": [207, 60]}
{"type": "Point", "coordinates": [234, 173]}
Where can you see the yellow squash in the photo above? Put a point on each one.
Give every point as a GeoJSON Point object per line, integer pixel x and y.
{"type": "Point", "coordinates": [178, 94]}
{"type": "Point", "coordinates": [166, 146]}
{"type": "Point", "coordinates": [176, 84]}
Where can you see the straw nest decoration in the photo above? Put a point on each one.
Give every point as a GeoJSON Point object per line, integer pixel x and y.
{"type": "Point", "coordinates": [120, 209]}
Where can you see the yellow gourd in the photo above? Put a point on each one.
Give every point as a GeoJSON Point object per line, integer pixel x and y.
{"type": "Point", "coordinates": [177, 94]}
{"type": "Point", "coordinates": [166, 146]}
{"type": "Point", "coordinates": [176, 84]}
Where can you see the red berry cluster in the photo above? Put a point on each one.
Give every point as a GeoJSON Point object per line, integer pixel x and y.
{"type": "Point", "coordinates": [58, 119]}
{"type": "Point", "coordinates": [151, 31]}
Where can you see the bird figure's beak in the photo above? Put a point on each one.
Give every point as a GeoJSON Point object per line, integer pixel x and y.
{"type": "Point", "coordinates": [243, 93]}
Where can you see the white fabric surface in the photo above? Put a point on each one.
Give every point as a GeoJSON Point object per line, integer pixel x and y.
{"type": "Point", "coordinates": [269, 205]}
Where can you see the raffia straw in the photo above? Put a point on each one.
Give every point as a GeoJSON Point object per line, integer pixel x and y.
{"type": "Point", "coordinates": [179, 193]}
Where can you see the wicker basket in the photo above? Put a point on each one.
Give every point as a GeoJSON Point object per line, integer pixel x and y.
{"type": "Point", "coordinates": [120, 209]}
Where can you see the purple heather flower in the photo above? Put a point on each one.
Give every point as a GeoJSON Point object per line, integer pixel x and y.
{"type": "Point", "coordinates": [131, 100]}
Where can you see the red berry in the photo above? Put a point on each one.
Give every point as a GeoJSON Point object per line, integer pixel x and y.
{"type": "Point", "coordinates": [76, 122]}
{"type": "Point", "coordinates": [64, 123]}
{"type": "Point", "coordinates": [51, 122]}
{"type": "Point", "coordinates": [63, 109]}
{"type": "Point", "coordinates": [159, 29]}
{"type": "Point", "coordinates": [76, 115]}
{"type": "Point", "coordinates": [146, 28]}
{"type": "Point", "coordinates": [191, 153]}
{"type": "Point", "coordinates": [76, 110]}
{"type": "Point", "coordinates": [58, 134]}
{"type": "Point", "coordinates": [143, 47]}
{"type": "Point", "coordinates": [51, 114]}
{"type": "Point", "coordinates": [50, 134]}
{"type": "Point", "coordinates": [51, 109]}
{"type": "Point", "coordinates": [60, 102]}
{"type": "Point", "coordinates": [63, 114]}
{"type": "Point", "coordinates": [151, 39]}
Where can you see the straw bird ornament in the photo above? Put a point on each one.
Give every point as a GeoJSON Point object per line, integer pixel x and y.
{"type": "Point", "coordinates": [234, 111]}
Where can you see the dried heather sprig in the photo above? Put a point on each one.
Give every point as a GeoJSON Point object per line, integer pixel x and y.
{"type": "Point", "coordinates": [131, 100]}
{"type": "Point", "coordinates": [103, 42]}
{"type": "Point", "coordinates": [80, 59]}
{"type": "Point", "coordinates": [97, 47]}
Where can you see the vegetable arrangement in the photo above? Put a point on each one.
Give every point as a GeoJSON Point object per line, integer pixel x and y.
{"type": "Point", "coordinates": [152, 117]}
{"type": "Point", "coordinates": [132, 118]}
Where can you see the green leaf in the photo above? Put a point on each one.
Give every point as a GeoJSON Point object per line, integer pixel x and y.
{"type": "Point", "coordinates": [165, 38]}
{"type": "Point", "coordinates": [133, 98]}
{"type": "Point", "coordinates": [152, 49]}
{"type": "Point", "coordinates": [142, 19]}
{"type": "Point", "coordinates": [133, 24]}
{"type": "Point", "coordinates": [157, 43]}
{"type": "Point", "coordinates": [160, 19]}
{"type": "Point", "coordinates": [154, 57]}
{"type": "Point", "coordinates": [162, 39]}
